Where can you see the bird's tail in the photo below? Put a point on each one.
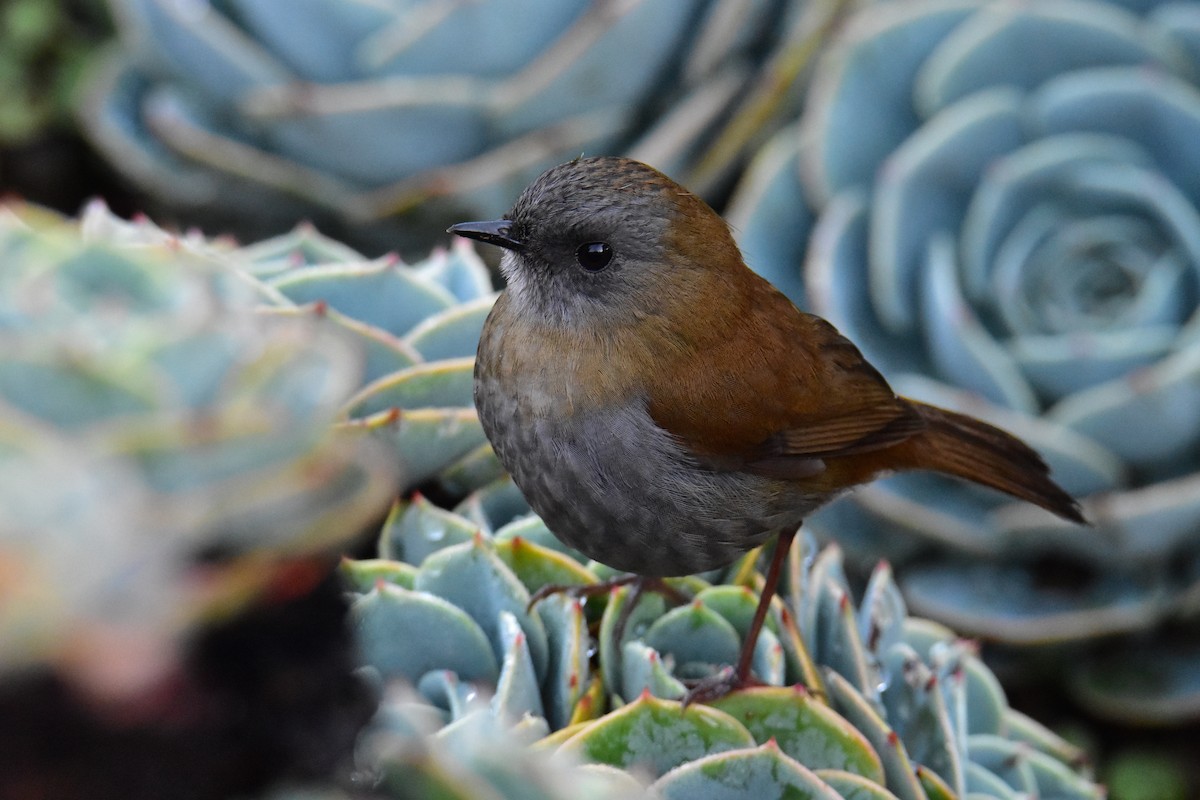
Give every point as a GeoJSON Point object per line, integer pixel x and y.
{"type": "Point", "coordinates": [968, 448]}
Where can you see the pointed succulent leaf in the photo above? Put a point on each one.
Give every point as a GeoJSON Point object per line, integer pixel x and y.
{"type": "Point", "coordinates": [414, 530]}
{"type": "Point", "coordinates": [1032, 733]}
{"type": "Point", "coordinates": [916, 709]}
{"type": "Point", "coordinates": [383, 294]}
{"type": "Point", "coordinates": [538, 566]}
{"type": "Point", "coordinates": [1056, 779]}
{"type": "Point", "coordinates": [657, 735]}
{"type": "Point", "coordinates": [592, 705]}
{"type": "Point", "coordinates": [459, 270]}
{"type": "Point", "coordinates": [1005, 759]}
{"type": "Point", "coordinates": [736, 605]}
{"type": "Point", "coordinates": [569, 670]}
{"type": "Point", "coordinates": [494, 505]}
{"type": "Point", "coordinates": [985, 702]}
{"type": "Point", "coordinates": [649, 608]}
{"type": "Point", "coordinates": [517, 689]}
{"type": "Point", "coordinates": [390, 619]}
{"type": "Point", "coordinates": [477, 468]}
{"type": "Point", "coordinates": [980, 780]}
{"type": "Point", "coordinates": [363, 575]}
{"type": "Point", "coordinates": [853, 787]}
{"type": "Point", "coordinates": [303, 246]}
{"type": "Point", "coordinates": [763, 771]}
{"type": "Point", "coordinates": [472, 577]}
{"type": "Point", "coordinates": [439, 384]}
{"type": "Point", "coordinates": [934, 786]}
{"type": "Point", "coordinates": [898, 769]}
{"type": "Point", "coordinates": [805, 729]}
{"type": "Point", "coordinates": [383, 353]}
{"type": "Point", "coordinates": [836, 640]}
{"type": "Point", "coordinates": [423, 440]}
{"type": "Point", "coordinates": [882, 613]}
{"type": "Point", "coordinates": [458, 698]}
{"type": "Point", "coordinates": [453, 333]}
{"type": "Point", "coordinates": [643, 670]}
{"type": "Point", "coordinates": [532, 529]}
{"type": "Point", "coordinates": [768, 662]}
{"type": "Point", "coordinates": [695, 637]}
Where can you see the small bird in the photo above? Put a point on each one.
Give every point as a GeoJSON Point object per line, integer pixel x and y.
{"type": "Point", "coordinates": [665, 409]}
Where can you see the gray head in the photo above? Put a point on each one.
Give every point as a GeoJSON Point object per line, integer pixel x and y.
{"type": "Point", "coordinates": [590, 240]}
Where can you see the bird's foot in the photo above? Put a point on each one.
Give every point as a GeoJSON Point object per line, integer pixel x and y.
{"type": "Point", "coordinates": [604, 587]}
{"type": "Point", "coordinates": [717, 685]}
{"type": "Point", "coordinates": [639, 586]}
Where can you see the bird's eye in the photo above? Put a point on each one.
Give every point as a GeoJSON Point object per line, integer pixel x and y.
{"type": "Point", "coordinates": [594, 256]}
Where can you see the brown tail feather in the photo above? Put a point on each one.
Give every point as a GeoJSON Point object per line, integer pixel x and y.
{"type": "Point", "coordinates": [967, 448]}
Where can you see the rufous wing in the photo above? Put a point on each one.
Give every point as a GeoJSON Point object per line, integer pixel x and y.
{"type": "Point", "coordinates": [777, 391]}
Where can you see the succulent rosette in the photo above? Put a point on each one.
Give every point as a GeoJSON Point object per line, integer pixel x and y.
{"type": "Point", "coordinates": [167, 450]}
{"type": "Point", "coordinates": [858, 701]}
{"type": "Point", "coordinates": [434, 110]}
{"type": "Point", "coordinates": [999, 202]}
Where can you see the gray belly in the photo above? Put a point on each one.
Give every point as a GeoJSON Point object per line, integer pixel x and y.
{"type": "Point", "coordinates": [618, 488]}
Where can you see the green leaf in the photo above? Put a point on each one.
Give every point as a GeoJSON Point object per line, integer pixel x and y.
{"type": "Point", "coordinates": [762, 772]}
{"type": "Point", "coordinates": [538, 566]}
{"type": "Point", "coordinates": [805, 729]}
{"type": "Point", "coordinates": [364, 574]}
{"type": "Point", "coordinates": [657, 735]}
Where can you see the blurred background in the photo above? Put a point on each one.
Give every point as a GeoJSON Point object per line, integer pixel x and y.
{"type": "Point", "coordinates": [998, 201]}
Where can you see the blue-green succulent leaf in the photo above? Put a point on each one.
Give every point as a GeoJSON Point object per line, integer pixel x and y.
{"type": "Point", "coordinates": [440, 384]}
{"type": "Point", "coordinates": [363, 575]}
{"type": "Point", "coordinates": [898, 770]}
{"type": "Point", "coordinates": [643, 670]}
{"type": "Point", "coordinates": [517, 690]}
{"type": "Point", "coordinates": [452, 333]}
{"type": "Point", "coordinates": [760, 772]}
{"type": "Point", "coordinates": [695, 637]}
{"type": "Point", "coordinates": [804, 728]}
{"type": "Point", "coordinates": [657, 735]}
{"type": "Point", "coordinates": [472, 577]}
{"type": "Point", "coordinates": [383, 294]}
{"type": "Point", "coordinates": [569, 670]}
{"type": "Point", "coordinates": [389, 620]}
{"type": "Point", "coordinates": [416, 529]}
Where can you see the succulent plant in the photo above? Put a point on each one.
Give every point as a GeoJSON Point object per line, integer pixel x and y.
{"type": "Point", "coordinates": [998, 202]}
{"type": "Point", "coordinates": [166, 451]}
{"type": "Point", "coordinates": [857, 703]}
{"type": "Point", "coordinates": [418, 325]}
{"type": "Point", "coordinates": [437, 110]}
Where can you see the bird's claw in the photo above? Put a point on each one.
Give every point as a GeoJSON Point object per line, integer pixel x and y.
{"type": "Point", "coordinates": [579, 590]}
{"type": "Point", "coordinates": [717, 685]}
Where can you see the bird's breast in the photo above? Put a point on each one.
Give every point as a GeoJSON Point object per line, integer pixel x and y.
{"type": "Point", "coordinates": [605, 477]}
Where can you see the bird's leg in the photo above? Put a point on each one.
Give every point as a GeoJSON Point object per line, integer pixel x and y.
{"type": "Point", "coordinates": [727, 680]}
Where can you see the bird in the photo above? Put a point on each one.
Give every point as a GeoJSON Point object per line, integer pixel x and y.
{"type": "Point", "coordinates": [665, 409]}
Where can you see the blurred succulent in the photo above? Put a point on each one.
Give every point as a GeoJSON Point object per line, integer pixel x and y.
{"type": "Point", "coordinates": [408, 751]}
{"type": "Point", "coordinates": [1004, 212]}
{"type": "Point", "coordinates": [43, 50]}
{"type": "Point", "coordinates": [867, 703]}
{"type": "Point", "coordinates": [438, 110]}
{"type": "Point", "coordinates": [166, 454]}
{"type": "Point", "coordinates": [418, 325]}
